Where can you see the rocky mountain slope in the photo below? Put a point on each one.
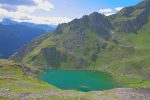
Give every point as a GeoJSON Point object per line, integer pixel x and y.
{"type": "Point", "coordinates": [131, 19]}
{"type": "Point", "coordinates": [77, 41]}
{"type": "Point", "coordinates": [118, 44]}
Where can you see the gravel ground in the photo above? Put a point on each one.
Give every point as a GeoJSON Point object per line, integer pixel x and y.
{"type": "Point", "coordinates": [114, 94]}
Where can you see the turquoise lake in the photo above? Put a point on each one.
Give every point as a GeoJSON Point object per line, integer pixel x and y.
{"type": "Point", "coordinates": [78, 80]}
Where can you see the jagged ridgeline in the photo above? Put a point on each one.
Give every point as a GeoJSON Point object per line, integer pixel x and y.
{"type": "Point", "coordinates": [131, 19]}
{"type": "Point", "coordinates": [75, 44]}
{"type": "Point", "coordinates": [118, 44]}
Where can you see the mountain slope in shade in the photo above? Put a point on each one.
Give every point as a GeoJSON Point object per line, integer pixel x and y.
{"type": "Point", "coordinates": [97, 42]}
{"type": "Point", "coordinates": [13, 37]}
{"type": "Point", "coordinates": [14, 34]}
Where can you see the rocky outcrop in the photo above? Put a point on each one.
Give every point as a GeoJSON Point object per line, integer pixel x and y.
{"type": "Point", "coordinates": [131, 19]}
{"type": "Point", "coordinates": [135, 24]}
{"type": "Point", "coordinates": [27, 70]}
{"type": "Point", "coordinates": [95, 22]}
{"type": "Point", "coordinates": [53, 56]}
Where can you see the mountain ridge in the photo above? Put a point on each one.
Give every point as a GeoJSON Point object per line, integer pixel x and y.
{"type": "Point", "coordinates": [82, 33]}
{"type": "Point", "coordinates": [97, 42]}
{"type": "Point", "coordinates": [14, 35]}
{"type": "Point", "coordinates": [45, 27]}
{"type": "Point", "coordinates": [130, 19]}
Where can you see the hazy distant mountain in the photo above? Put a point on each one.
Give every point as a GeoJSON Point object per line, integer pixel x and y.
{"type": "Point", "coordinates": [13, 37]}
{"type": "Point", "coordinates": [45, 27]}
{"type": "Point", "coordinates": [14, 34]}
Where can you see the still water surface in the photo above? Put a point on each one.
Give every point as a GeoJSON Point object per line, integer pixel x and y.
{"type": "Point", "coordinates": [79, 80]}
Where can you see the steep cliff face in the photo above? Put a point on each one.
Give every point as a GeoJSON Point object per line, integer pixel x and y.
{"type": "Point", "coordinates": [131, 19]}
{"type": "Point", "coordinates": [95, 22]}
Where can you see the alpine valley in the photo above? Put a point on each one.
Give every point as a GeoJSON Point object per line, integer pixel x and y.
{"type": "Point", "coordinates": [14, 34]}
{"type": "Point", "coordinates": [117, 45]}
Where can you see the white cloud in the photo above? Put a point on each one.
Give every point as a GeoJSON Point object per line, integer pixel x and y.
{"type": "Point", "coordinates": [46, 20]}
{"type": "Point", "coordinates": [118, 8]}
{"type": "Point", "coordinates": [40, 5]}
{"type": "Point", "coordinates": [45, 6]}
{"type": "Point", "coordinates": [107, 10]}
{"type": "Point", "coordinates": [108, 14]}
{"type": "Point", "coordinates": [26, 9]}
{"type": "Point", "coordinates": [24, 13]}
{"type": "Point", "coordinates": [21, 16]}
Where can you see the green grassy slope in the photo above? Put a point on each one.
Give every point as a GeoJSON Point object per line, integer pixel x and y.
{"type": "Point", "coordinates": [128, 59]}
{"type": "Point", "coordinates": [15, 84]}
{"type": "Point", "coordinates": [96, 42]}
{"type": "Point", "coordinates": [14, 78]}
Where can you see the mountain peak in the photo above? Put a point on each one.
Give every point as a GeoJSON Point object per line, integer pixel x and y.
{"type": "Point", "coordinates": [7, 21]}
{"type": "Point", "coordinates": [94, 22]}
{"type": "Point", "coordinates": [131, 19]}
{"type": "Point", "coordinates": [144, 4]}
{"type": "Point", "coordinates": [96, 14]}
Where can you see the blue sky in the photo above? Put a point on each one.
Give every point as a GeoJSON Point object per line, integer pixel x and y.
{"type": "Point", "coordinates": [77, 8]}
{"type": "Point", "coordinates": [58, 11]}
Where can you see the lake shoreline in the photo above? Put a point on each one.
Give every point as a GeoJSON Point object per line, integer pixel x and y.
{"type": "Point", "coordinates": [83, 79]}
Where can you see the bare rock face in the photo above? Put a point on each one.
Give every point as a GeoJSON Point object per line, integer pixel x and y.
{"type": "Point", "coordinates": [95, 22]}
{"type": "Point", "coordinates": [53, 56]}
{"type": "Point", "coordinates": [131, 19]}
{"type": "Point", "coordinates": [135, 24]}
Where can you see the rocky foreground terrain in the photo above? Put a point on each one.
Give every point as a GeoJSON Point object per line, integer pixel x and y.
{"type": "Point", "coordinates": [114, 94]}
